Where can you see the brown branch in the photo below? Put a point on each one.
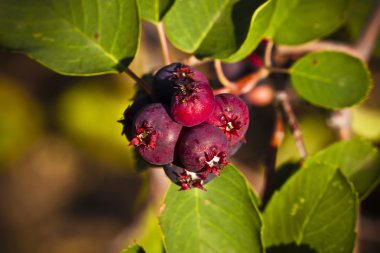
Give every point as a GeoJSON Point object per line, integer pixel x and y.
{"type": "Point", "coordinates": [146, 86]}
{"type": "Point", "coordinates": [293, 123]}
{"type": "Point", "coordinates": [164, 43]}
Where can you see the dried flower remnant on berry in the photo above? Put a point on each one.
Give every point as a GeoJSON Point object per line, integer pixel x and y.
{"type": "Point", "coordinates": [145, 136]}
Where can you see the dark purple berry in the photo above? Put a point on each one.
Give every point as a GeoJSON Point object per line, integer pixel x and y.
{"type": "Point", "coordinates": [130, 113]}
{"type": "Point", "coordinates": [155, 134]}
{"type": "Point", "coordinates": [186, 179]}
{"type": "Point", "coordinates": [167, 77]}
{"type": "Point", "coordinates": [203, 149]}
{"type": "Point", "coordinates": [235, 147]}
{"type": "Point", "coordinates": [192, 103]}
{"type": "Point", "coordinates": [231, 115]}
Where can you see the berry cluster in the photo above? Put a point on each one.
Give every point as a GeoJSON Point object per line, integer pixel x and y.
{"type": "Point", "coordinates": [184, 127]}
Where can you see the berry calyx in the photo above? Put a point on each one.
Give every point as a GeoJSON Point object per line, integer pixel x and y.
{"type": "Point", "coordinates": [230, 115]}
{"type": "Point", "coordinates": [169, 76]}
{"type": "Point", "coordinates": [186, 179]}
{"type": "Point", "coordinates": [145, 136]}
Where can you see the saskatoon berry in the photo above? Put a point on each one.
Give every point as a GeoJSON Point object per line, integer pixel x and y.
{"type": "Point", "coordinates": [130, 113]}
{"type": "Point", "coordinates": [155, 134]}
{"type": "Point", "coordinates": [192, 103]}
{"type": "Point", "coordinates": [186, 179]}
{"type": "Point", "coordinates": [203, 149]}
{"type": "Point", "coordinates": [167, 77]}
{"type": "Point", "coordinates": [231, 115]}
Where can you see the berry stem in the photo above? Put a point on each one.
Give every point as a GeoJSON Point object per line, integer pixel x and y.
{"type": "Point", "coordinates": [222, 78]}
{"type": "Point", "coordinates": [268, 54]}
{"type": "Point", "coordinates": [278, 70]}
{"type": "Point", "coordinates": [164, 43]}
{"type": "Point", "coordinates": [283, 99]}
{"type": "Point", "coordinates": [146, 86]}
{"type": "Point", "coordinates": [241, 86]}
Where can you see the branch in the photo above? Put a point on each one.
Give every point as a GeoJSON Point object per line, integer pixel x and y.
{"type": "Point", "coordinates": [164, 43]}
{"type": "Point", "coordinates": [146, 86]}
{"type": "Point", "coordinates": [293, 123]}
{"type": "Point", "coordinates": [317, 46]}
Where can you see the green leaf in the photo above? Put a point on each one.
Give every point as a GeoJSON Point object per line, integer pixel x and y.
{"type": "Point", "coordinates": [359, 161]}
{"type": "Point", "coordinates": [212, 28]}
{"type": "Point", "coordinates": [331, 79]}
{"type": "Point", "coordinates": [299, 21]}
{"type": "Point", "coordinates": [72, 37]}
{"type": "Point", "coordinates": [134, 249]}
{"type": "Point", "coordinates": [154, 10]}
{"type": "Point", "coordinates": [224, 218]}
{"type": "Point", "coordinates": [257, 31]}
{"type": "Point", "coordinates": [316, 208]}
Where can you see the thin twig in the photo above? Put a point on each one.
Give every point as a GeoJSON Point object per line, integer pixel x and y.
{"type": "Point", "coordinates": [317, 46]}
{"type": "Point", "coordinates": [293, 123]}
{"type": "Point", "coordinates": [270, 161]}
{"type": "Point", "coordinates": [244, 84]}
{"type": "Point", "coordinates": [146, 86]}
{"type": "Point", "coordinates": [268, 54]}
{"type": "Point", "coordinates": [278, 70]}
{"type": "Point", "coordinates": [164, 43]}
{"type": "Point", "coordinates": [222, 78]}
{"type": "Point", "coordinates": [248, 82]}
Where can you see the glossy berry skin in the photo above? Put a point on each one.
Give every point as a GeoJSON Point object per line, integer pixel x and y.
{"type": "Point", "coordinates": [186, 179]}
{"type": "Point", "coordinates": [203, 149]}
{"type": "Point", "coordinates": [167, 77]}
{"type": "Point", "coordinates": [231, 115]}
{"type": "Point", "coordinates": [192, 103]}
{"type": "Point", "coordinates": [130, 113]}
{"type": "Point", "coordinates": [155, 134]}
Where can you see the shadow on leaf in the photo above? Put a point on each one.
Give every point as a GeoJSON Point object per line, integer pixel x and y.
{"type": "Point", "coordinates": [291, 248]}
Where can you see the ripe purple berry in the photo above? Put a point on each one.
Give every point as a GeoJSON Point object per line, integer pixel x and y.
{"type": "Point", "coordinates": [167, 77]}
{"type": "Point", "coordinates": [155, 134]}
{"type": "Point", "coordinates": [130, 113]}
{"type": "Point", "coordinates": [192, 103]}
{"type": "Point", "coordinates": [231, 115]}
{"type": "Point", "coordinates": [203, 149]}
